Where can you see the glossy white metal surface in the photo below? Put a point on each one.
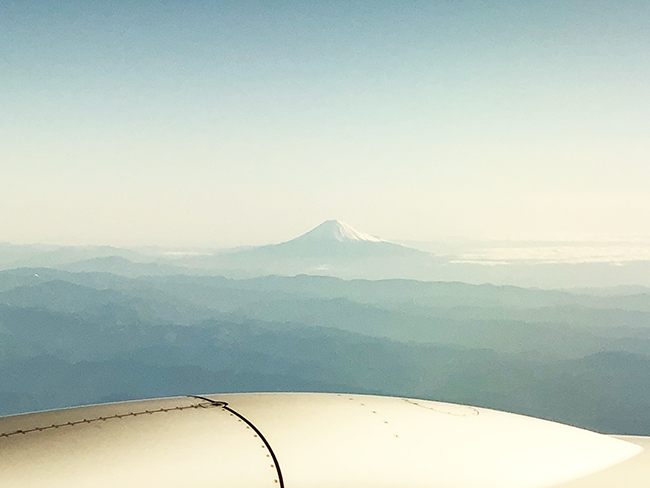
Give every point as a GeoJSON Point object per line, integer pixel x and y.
{"type": "Point", "coordinates": [367, 441]}
{"type": "Point", "coordinates": [633, 473]}
{"type": "Point", "coordinates": [183, 442]}
{"type": "Point", "coordinates": [319, 439]}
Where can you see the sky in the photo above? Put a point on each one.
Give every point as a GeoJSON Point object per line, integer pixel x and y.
{"type": "Point", "coordinates": [223, 123]}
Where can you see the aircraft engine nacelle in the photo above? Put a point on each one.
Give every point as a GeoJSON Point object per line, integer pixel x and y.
{"type": "Point", "coordinates": [308, 440]}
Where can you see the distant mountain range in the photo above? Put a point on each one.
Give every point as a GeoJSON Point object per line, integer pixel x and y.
{"type": "Point", "coordinates": [333, 248]}
{"type": "Point", "coordinates": [72, 338]}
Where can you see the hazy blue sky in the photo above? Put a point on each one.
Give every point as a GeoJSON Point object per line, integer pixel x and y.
{"type": "Point", "coordinates": [219, 122]}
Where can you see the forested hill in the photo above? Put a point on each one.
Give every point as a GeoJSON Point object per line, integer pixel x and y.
{"type": "Point", "coordinates": [75, 338]}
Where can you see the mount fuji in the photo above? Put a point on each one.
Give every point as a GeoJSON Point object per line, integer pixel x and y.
{"type": "Point", "coordinates": [334, 239]}
{"type": "Point", "coordinates": [332, 248]}
{"type": "Point", "coordinates": [338, 231]}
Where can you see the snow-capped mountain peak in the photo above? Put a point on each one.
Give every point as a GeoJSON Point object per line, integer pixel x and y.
{"type": "Point", "coordinates": [333, 230]}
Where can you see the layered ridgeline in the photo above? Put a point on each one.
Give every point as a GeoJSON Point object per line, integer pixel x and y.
{"type": "Point", "coordinates": [92, 324]}
{"type": "Point", "coordinates": [70, 338]}
{"type": "Point", "coordinates": [332, 249]}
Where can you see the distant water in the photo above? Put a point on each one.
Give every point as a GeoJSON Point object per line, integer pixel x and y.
{"type": "Point", "coordinates": [536, 252]}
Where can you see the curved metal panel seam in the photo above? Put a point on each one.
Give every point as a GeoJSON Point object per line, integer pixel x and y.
{"type": "Point", "coordinates": [109, 417]}
{"type": "Point", "coordinates": [224, 405]}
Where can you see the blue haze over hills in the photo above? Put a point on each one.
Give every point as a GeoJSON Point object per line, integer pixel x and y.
{"type": "Point", "coordinates": [336, 249]}
{"type": "Point", "coordinates": [102, 324]}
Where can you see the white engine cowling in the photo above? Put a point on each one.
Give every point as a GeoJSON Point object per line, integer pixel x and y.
{"type": "Point", "coordinates": [307, 440]}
